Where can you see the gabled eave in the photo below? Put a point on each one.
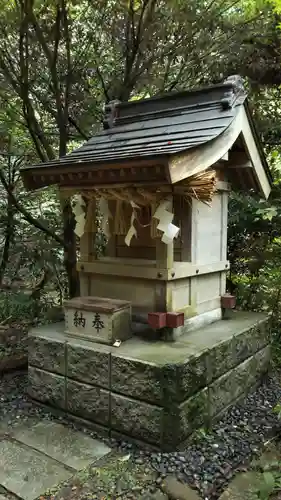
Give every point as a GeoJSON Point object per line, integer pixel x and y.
{"type": "Point", "coordinates": [197, 160]}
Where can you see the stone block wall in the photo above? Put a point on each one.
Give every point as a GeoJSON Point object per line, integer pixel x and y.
{"type": "Point", "coordinates": [161, 402]}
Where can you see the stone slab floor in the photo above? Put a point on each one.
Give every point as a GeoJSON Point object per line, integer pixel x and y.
{"type": "Point", "coordinates": [39, 455]}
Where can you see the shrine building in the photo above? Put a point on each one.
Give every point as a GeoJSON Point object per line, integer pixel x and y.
{"type": "Point", "coordinates": [146, 351]}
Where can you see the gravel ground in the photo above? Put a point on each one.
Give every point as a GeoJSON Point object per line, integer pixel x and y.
{"type": "Point", "coordinates": [210, 460]}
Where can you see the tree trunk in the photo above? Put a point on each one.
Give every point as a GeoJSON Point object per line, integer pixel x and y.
{"type": "Point", "coordinates": [9, 234]}
{"type": "Point", "coordinates": [70, 257]}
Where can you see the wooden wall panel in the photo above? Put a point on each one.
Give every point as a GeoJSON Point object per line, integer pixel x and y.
{"type": "Point", "coordinates": [141, 293]}
{"type": "Point", "coordinates": [208, 230]}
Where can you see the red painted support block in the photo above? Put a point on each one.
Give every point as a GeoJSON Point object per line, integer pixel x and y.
{"type": "Point", "coordinates": [228, 301]}
{"type": "Point", "coordinates": [174, 319]}
{"type": "Point", "coordinates": [156, 320]}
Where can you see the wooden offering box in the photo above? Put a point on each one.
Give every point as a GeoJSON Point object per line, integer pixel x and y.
{"type": "Point", "coordinates": [98, 319]}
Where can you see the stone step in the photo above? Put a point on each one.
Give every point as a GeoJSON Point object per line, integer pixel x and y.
{"type": "Point", "coordinates": [7, 495]}
{"type": "Point", "coordinates": [68, 446]}
{"type": "Point", "coordinates": [27, 472]}
{"type": "Point", "coordinates": [244, 486]}
{"type": "Point", "coordinates": [178, 491]}
{"type": "Point", "coordinates": [39, 455]}
{"type": "Point", "coordinates": [115, 476]}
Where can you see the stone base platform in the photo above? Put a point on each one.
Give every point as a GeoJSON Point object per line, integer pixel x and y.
{"type": "Point", "coordinates": [154, 392]}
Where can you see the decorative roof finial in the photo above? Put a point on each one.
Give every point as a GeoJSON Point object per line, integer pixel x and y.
{"type": "Point", "coordinates": [235, 92]}
{"type": "Point", "coordinates": [110, 114]}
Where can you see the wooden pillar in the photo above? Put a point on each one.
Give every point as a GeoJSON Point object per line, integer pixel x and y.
{"type": "Point", "coordinates": [87, 240]}
{"type": "Point", "coordinates": [86, 255]}
{"type": "Point", "coordinates": [87, 247]}
{"type": "Point", "coordinates": [165, 253]}
{"type": "Point", "coordinates": [164, 260]}
{"type": "Point", "coordinates": [185, 219]}
{"type": "Point", "coordinates": [110, 250]}
{"type": "Point", "coordinates": [87, 251]}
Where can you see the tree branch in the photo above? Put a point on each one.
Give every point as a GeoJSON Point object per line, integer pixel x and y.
{"type": "Point", "coordinates": [52, 64]}
{"type": "Point", "coordinates": [20, 86]}
{"type": "Point", "coordinates": [105, 90]}
{"type": "Point", "coordinates": [27, 216]}
{"type": "Point", "coordinates": [76, 126]}
{"type": "Point", "coordinates": [68, 57]}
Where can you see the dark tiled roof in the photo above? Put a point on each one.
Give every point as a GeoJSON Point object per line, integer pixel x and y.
{"type": "Point", "coordinates": [162, 125]}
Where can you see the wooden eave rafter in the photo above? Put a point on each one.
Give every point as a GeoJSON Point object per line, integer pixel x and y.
{"type": "Point", "coordinates": [87, 174]}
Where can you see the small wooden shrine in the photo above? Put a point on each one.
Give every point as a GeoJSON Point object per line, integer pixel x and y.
{"type": "Point", "coordinates": [156, 181]}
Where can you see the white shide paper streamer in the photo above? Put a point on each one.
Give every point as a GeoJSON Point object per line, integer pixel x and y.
{"type": "Point", "coordinates": [132, 230]}
{"type": "Point", "coordinates": [78, 208]}
{"type": "Point", "coordinates": [170, 231]}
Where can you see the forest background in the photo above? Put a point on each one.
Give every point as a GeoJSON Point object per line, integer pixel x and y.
{"type": "Point", "coordinates": [61, 61]}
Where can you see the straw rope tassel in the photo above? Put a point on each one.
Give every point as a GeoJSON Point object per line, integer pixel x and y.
{"type": "Point", "coordinates": [200, 186]}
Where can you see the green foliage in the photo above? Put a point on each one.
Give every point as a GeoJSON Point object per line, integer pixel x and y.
{"type": "Point", "coordinates": [269, 485]}
{"type": "Point", "coordinates": [255, 253]}
{"type": "Point", "coordinates": [276, 4]}
{"type": "Point", "coordinates": [19, 307]}
{"type": "Point", "coordinates": [277, 410]}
